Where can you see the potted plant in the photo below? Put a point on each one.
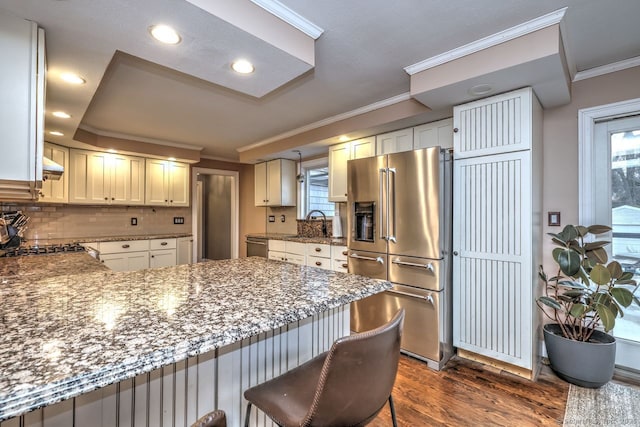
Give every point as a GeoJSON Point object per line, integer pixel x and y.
{"type": "Point", "coordinates": [583, 299]}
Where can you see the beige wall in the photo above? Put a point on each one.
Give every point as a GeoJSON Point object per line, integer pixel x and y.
{"type": "Point", "coordinates": [560, 140]}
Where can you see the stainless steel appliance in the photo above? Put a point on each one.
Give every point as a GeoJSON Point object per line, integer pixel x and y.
{"type": "Point", "coordinates": [257, 246]}
{"type": "Point", "coordinates": [400, 230]}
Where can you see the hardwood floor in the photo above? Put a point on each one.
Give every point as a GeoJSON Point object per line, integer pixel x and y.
{"type": "Point", "coordinates": [467, 393]}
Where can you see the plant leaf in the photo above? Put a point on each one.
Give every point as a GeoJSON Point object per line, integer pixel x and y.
{"type": "Point", "coordinates": [600, 274]}
{"type": "Point", "coordinates": [623, 296]}
{"type": "Point", "coordinates": [582, 230]}
{"type": "Point", "coordinates": [615, 269]}
{"type": "Point", "coordinates": [627, 275]}
{"type": "Point", "coordinates": [626, 282]}
{"type": "Point", "coordinates": [572, 284]}
{"type": "Point", "coordinates": [578, 310]}
{"type": "Point", "coordinates": [598, 229]}
{"type": "Point", "coordinates": [597, 255]}
{"type": "Point", "coordinates": [575, 293]}
{"type": "Point", "coordinates": [550, 302]}
{"type": "Point", "coordinates": [569, 261]}
{"type": "Point", "coordinates": [606, 316]}
{"type": "Point", "coordinates": [595, 245]}
{"type": "Point", "coordinates": [542, 274]}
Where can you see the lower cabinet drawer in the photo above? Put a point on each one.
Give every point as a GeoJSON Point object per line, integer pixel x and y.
{"type": "Point", "coordinates": [162, 244]}
{"type": "Point", "coordinates": [296, 259]}
{"type": "Point", "coordinates": [277, 256]}
{"type": "Point", "coordinates": [296, 248]}
{"type": "Point", "coordinates": [123, 246]}
{"type": "Point", "coordinates": [340, 265]}
{"type": "Point", "coordinates": [314, 261]}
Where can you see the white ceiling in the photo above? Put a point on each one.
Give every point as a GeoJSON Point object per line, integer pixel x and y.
{"type": "Point", "coordinates": [182, 94]}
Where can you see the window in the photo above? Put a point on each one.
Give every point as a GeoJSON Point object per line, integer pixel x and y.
{"type": "Point", "coordinates": [314, 192]}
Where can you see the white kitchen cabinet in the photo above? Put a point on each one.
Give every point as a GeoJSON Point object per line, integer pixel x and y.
{"type": "Point", "coordinates": [339, 259]}
{"type": "Point", "coordinates": [293, 252]}
{"type": "Point", "coordinates": [339, 155]}
{"type": "Point", "coordinates": [394, 142]}
{"type": "Point", "coordinates": [105, 178]}
{"type": "Point", "coordinates": [434, 134]}
{"type": "Point", "coordinates": [497, 217]}
{"type": "Point", "coordinates": [167, 183]}
{"type": "Point", "coordinates": [318, 255]}
{"type": "Point", "coordinates": [184, 250]}
{"type": "Point", "coordinates": [130, 261]}
{"type": "Point", "coordinates": [275, 183]}
{"type": "Point", "coordinates": [22, 85]}
{"type": "Point", "coordinates": [162, 253]}
{"type": "Point", "coordinates": [56, 191]}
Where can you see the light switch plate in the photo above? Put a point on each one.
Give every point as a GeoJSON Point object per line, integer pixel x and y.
{"type": "Point", "coordinates": [272, 218]}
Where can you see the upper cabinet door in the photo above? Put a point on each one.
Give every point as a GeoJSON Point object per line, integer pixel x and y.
{"type": "Point", "coordinates": [178, 184]}
{"type": "Point", "coordinates": [499, 124]}
{"type": "Point", "coordinates": [260, 181]}
{"type": "Point", "coordinates": [435, 134]}
{"type": "Point", "coordinates": [156, 182]}
{"type": "Point", "coordinates": [364, 147]}
{"type": "Point", "coordinates": [338, 156]}
{"type": "Point", "coordinates": [394, 142]}
{"type": "Point", "coordinates": [127, 180]}
{"type": "Point", "coordinates": [56, 191]}
{"type": "Point", "coordinates": [274, 183]}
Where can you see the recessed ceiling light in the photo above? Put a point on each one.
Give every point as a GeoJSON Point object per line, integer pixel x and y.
{"type": "Point", "coordinates": [481, 89]}
{"type": "Point", "coordinates": [343, 138]}
{"type": "Point", "coordinates": [242, 66]}
{"type": "Point", "coordinates": [111, 150]}
{"type": "Point", "coordinates": [56, 133]}
{"type": "Point", "coordinates": [61, 114]}
{"type": "Point", "coordinates": [165, 34]}
{"type": "Point", "coordinates": [172, 159]}
{"type": "Point", "coordinates": [72, 78]}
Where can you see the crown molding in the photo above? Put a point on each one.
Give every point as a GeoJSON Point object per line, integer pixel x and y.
{"type": "Point", "coordinates": [489, 41]}
{"type": "Point", "coordinates": [290, 17]}
{"type": "Point", "coordinates": [329, 120]}
{"type": "Point", "coordinates": [108, 134]}
{"type": "Point", "coordinates": [220, 159]}
{"type": "Point", "coordinates": [606, 69]}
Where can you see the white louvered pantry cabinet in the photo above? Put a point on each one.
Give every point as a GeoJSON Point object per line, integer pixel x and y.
{"type": "Point", "coordinates": [497, 203]}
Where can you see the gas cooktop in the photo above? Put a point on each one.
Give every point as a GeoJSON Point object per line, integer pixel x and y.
{"type": "Point", "coordinates": [43, 249]}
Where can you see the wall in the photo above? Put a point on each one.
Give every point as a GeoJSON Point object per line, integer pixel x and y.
{"type": "Point", "coordinates": [560, 140]}
{"type": "Point", "coordinates": [86, 222]}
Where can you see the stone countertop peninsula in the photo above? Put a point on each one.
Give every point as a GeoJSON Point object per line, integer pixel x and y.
{"type": "Point", "coordinates": [336, 241]}
{"type": "Point", "coordinates": [67, 335]}
{"type": "Point", "coordinates": [34, 267]}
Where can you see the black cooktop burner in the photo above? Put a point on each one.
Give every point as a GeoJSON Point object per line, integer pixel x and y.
{"type": "Point", "coordinates": [44, 249]}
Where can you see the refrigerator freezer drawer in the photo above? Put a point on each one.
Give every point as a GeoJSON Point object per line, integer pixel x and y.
{"type": "Point", "coordinates": [420, 272]}
{"type": "Point", "coordinates": [370, 264]}
{"type": "Point", "coordinates": [421, 324]}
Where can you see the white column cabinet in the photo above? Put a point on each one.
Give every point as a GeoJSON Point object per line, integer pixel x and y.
{"type": "Point", "coordinates": [339, 155]}
{"type": "Point", "coordinates": [394, 142]}
{"type": "Point", "coordinates": [105, 178]}
{"type": "Point", "coordinates": [22, 80]}
{"type": "Point", "coordinates": [167, 183]}
{"type": "Point", "coordinates": [275, 183]}
{"type": "Point", "coordinates": [56, 191]}
{"type": "Point", "coordinates": [496, 217]}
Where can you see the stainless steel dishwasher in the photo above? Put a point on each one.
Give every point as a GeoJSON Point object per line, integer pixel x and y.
{"type": "Point", "coordinates": [257, 246]}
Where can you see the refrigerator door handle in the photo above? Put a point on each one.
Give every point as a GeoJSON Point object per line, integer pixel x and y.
{"type": "Point", "coordinates": [382, 171]}
{"type": "Point", "coordinates": [379, 259]}
{"type": "Point", "coordinates": [391, 204]}
{"type": "Point", "coordinates": [428, 298]}
{"type": "Point", "coordinates": [428, 266]}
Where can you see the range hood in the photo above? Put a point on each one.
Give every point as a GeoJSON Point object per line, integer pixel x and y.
{"type": "Point", "coordinates": [50, 169]}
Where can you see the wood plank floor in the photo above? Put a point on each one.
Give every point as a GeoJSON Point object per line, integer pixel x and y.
{"type": "Point", "coordinates": [467, 393]}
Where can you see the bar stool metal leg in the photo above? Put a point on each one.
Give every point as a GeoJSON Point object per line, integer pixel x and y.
{"type": "Point", "coordinates": [393, 412]}
{"type": "Point", "coordinates": [246, 417]}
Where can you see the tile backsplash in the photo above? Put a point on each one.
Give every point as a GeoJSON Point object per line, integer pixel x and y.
{"type": "Point", "coordinates": [73, 222]}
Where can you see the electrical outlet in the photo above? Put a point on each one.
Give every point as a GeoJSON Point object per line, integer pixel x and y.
{"type": "Point", "coordinates": [134, 221]}
{"type": "Point", "coordinates": [178, 220]}
{"type": "Point", "coordinates": [272, 218]}
{"type": "Point", "coordinates": [282, 218]}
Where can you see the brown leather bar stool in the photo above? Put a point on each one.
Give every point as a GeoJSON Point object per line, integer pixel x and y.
{"type": "Point", "coordinates": [216, 418]}
{"type": "Point", "coordinates": [345, 386]}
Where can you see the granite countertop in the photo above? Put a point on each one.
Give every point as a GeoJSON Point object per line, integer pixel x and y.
{"type": "Point", "coordinates": [337, 241]}
{"type": "Point", "coordinates": [34, 267]}
{"type": "Point", "coordinates": [67, 335]}
{"type": "Point", "coordinates": [33, 242]}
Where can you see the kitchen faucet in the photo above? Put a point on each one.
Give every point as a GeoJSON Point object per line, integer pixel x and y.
{"type": "Point", "coordinates": [324, 220]}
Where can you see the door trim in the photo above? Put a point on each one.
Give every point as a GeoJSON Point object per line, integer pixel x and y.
{"type": "Point", "coordinates": [235, 209]}
{"type": "Point", "coordinates": [587, 179]}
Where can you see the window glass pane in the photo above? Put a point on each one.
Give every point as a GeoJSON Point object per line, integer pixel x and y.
{"type": "Point", "coordinates": [317, 186]}
{"type": "Point", "coordinates": [625, 219]}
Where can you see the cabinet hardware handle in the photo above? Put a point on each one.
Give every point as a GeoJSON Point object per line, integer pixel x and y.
{"type": "Point", "coordinates": [345, 265]}
{"type": "Point", "coordinates": [379, 259]}
{"type": "Point", "coordinates": [455, 253]}
{"type": "Point", "coordinates": [170, 201]}
{"type": "Point", "coordinates": [345, 194]}
{"type": "Point", "coordinates": [164, 244]}
{"type": "Point", "coordinates": [345, 253]}
{"type": "Point", "coordinates": [126, 246]}
{"type": "Point", "coordinates": [318, 263]}
{"type": "Point", "coordinates": [318, 249]}
{"type": "Point", "coordinates": [427, 266]}
{"type": "Point", "coordinates": [113, 198]}
{"type": "Point", "coordinates": [455, 130]}
{"type": "Point", "coordinates": [153, 256]}
{"type": "Point", "coordinates": [165, 200]}
{"type": "Point", "coordinates": [428, 298]}
{"type": "Point", "coordinates": [106, 198]}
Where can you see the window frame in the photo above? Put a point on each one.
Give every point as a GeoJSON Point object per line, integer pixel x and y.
{"type": "Point", "coordinates": [302, 189]}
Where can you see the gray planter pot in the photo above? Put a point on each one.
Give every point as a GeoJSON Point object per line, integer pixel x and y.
{"type": "Point", "coordinates": [587, 364]}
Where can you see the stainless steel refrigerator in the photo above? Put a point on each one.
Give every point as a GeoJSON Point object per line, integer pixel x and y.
{"type": "Point", "coordinates": [399, 226]}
